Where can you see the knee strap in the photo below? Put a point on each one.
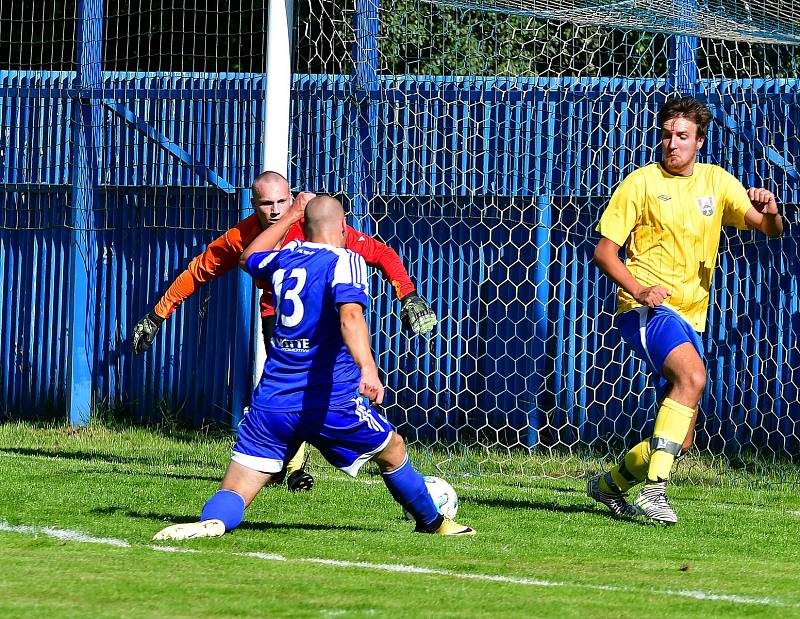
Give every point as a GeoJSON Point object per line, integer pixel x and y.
{"type": "Point", "coordinates": [658, 443]}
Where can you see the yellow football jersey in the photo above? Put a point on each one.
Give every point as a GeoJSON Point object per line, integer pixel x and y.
{"type": "Point", "coordinates": [671, 228]}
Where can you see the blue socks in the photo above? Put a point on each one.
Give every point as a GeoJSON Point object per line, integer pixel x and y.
{"type": "Point", "coordinates": [225, 505]}
{"type": "Point", "coordinates": [405, 484]}
{"type": "Point", "coordinates": [408, 488]}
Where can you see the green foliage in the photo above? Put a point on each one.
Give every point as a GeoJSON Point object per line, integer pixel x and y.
{"type": "Point", "coordinates": [432, 39]}
{"type": "Point", "coordinates": [416, 37]}
{"type": "Point", "coordinates": [441, 39]}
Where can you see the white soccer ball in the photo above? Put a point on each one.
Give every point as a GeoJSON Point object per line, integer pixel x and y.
{"type": "Point", "coordinates": [443, 496]}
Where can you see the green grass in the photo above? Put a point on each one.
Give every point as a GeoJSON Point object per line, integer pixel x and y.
{"type": "Point", "coordinates": [128, 484]}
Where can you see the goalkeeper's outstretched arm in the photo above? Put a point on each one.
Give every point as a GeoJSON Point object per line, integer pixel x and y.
{"type": "Point", "coordinates": [220, 257]}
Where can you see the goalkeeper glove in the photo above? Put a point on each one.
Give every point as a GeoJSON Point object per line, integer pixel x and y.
{"type": "Point", "coordinates": [416, 314]}
{"type": "Point", "coordinates": [145, 332]}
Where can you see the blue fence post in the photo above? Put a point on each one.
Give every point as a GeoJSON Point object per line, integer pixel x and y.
{"type": "Point", "coordinates": [537, 417]}
{"type": "Point", "coordinates": [86, 118]}
{"type": "Point", "coordinates": [683, 51]}
{"type": "Point", "coordinates": [365, 84]}
{"type": "Point", "coordinates": [242, 375]}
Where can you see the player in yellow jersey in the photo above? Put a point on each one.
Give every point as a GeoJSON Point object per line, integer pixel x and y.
{"type": "Point", "coordinates": [669, 216]}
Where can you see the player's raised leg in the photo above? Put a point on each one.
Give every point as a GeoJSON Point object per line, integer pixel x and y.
{"type": "Point", "coordinates": [408, 488]}
{"type": "Point", "coordinates": [673, 353]}
{"type": "Point", "coordinates": [686, 373]}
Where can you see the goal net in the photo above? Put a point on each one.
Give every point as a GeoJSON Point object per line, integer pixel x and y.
{"type": "Point", "coordinates": [483, 140]}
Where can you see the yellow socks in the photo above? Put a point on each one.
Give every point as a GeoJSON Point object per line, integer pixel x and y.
{"type": "Point", "coordinates": [631, 471]}
{"type": "Point", "coordinates": [672, 426]}
{"type": "Point", "coordinates": [652, 459]}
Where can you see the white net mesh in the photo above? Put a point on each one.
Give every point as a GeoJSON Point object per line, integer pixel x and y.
{"type": "Point", "coordinates": [730, 20]}
{"type": "Point", "coordinates": [483, 140]}
{"type": "Point", "coordinates": [479, 139]}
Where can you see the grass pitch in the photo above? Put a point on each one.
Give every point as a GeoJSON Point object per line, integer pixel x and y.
{"type": "Point", "coordinates": [78, 509]}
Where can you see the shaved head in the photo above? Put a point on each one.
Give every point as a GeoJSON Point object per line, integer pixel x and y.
{"type": "Point", "coordinates": [269, 177]}
{"type": "Point", "coordinates": [324, 221]}
{"type": "Point", "coordinates": [271, 197]}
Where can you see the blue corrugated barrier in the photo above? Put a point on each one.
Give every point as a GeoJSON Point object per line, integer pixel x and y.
{"type": "Point", "coordinates": [489, 189]}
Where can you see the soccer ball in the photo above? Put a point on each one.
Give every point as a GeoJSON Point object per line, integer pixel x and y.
{"type": "Point", "coordinates": [443, 496]}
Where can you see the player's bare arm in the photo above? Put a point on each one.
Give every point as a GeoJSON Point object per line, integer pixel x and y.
{"type": "Point", "coordinates": [606, 257]}
{"type": "Point", "coordinates": [356, 337]}
{"type": "Point", "coordinates": [273, 235]}
{"type": "Point", "coordinates": [764, 215]}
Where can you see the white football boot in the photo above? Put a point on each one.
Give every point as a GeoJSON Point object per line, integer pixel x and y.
{"type": "Point", "coordinates": [191, 530]}
{"type": "Point", "coordinates": [652, 503]}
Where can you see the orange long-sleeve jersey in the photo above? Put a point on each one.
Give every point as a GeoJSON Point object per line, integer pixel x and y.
{"type": "Point", "coordinates": [222, 255]}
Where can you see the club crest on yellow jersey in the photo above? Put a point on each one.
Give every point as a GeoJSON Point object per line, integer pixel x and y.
{"type": "Point", "coordinates": [706, 205]}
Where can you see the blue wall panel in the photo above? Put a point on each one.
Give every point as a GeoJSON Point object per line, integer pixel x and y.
{"type": "Point", "coordinates": [484, 186]}
{"type": "Point", "coordinates": [188, 372]}
{"type": "Point", "coordinates": [33, 304]}
{"type": "Point", "coordinates": [467, 136]}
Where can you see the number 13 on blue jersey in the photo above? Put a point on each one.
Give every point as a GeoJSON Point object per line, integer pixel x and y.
{"type": "Point", "coordinates": [291, 295]}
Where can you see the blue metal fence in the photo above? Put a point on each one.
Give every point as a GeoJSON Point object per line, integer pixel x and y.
{"type": "Point", "coordinates": [488, 188]}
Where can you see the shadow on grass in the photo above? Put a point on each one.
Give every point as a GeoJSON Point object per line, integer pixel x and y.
{"type": "Point", "coordinates": [87, 456]}
{"type": "Point", "coordinates": [73, 455]}
{"type": "Point", "coordinates": [550, 506]}
{"type": "Point", "coordinates": [166, 519]}
{"type": "Point", "coordinates": [553, 506]}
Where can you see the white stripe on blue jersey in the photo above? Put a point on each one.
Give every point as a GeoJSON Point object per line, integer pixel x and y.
{"type": "Point", "coordinates": [350, 268]}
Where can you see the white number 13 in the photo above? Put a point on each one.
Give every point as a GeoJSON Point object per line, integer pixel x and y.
{"type": "Point", "coordinates": [291, 294]}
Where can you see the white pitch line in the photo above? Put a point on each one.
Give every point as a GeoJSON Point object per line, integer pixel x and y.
{"type": "Point", "coordinates": [412, 569]}
{"type": "Point", "coordinates": [64, 534]}
{"type": "Point", "coordinates": [81, 537]}
{"type": "Point", "coordinates": [171, 549]}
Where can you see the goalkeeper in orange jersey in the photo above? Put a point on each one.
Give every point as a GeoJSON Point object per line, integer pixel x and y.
{"type": "Point", "coordinates": [271, 198]}
{"type": "Point", "coordinates": [669, 216]}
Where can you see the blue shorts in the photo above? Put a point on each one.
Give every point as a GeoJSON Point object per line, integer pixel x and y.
{"type": "Point", "coordinates": [653, 334]}
{"type": "Point", "coordinates": [347, 436]}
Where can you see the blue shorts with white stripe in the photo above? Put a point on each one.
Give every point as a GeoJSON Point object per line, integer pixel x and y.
{"type": "Point", "coordinates": [653, 334]}
{"type": "Point", "coordinates": [347, 436]}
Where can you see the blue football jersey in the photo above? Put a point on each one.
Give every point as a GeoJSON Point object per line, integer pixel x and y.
{"type": "Point", "coordinates": [308, 365]}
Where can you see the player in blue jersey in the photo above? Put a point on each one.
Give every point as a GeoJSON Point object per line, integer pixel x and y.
{"type": "Point", "coordinates": [318, 362]}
